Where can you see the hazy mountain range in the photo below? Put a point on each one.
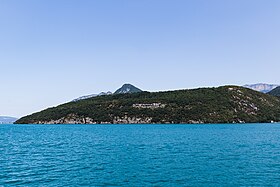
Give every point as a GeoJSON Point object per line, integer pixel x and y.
{"type": "Point", "coordinates": [261, 87]}
{"type": "Point", "coordinates": [7, 120]}
{"type": "Point", "coordinates": [92, 95]}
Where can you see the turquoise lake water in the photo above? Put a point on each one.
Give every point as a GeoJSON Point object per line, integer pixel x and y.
{"type": "Point", "coordinates": [140, 155]}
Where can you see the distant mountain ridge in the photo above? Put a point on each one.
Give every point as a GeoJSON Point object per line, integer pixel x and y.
{"type": "Point", "coordinates": [126, 88]}
{"type": "Point", "coordinates": [92, 95]}
{"type": "Point", "coordinates": [261, 87]}
{"type": "Point", "coordinates": [275, 92]}
{"type": "Point", "coordinates": [7, 120]}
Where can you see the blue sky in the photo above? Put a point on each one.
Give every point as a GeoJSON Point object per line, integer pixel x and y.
{"type": "Point", "coordinates": [56, 50]}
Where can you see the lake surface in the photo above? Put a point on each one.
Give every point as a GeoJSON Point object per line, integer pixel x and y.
{"type": "Point", "coordinates": [140, 155]}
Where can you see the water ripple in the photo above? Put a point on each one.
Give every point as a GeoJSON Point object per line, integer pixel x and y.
{"type": "Point", "coordinates": [140, 155]}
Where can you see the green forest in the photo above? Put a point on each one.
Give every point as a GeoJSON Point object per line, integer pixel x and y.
{"type": "Point", "coordinates": [227, 104]}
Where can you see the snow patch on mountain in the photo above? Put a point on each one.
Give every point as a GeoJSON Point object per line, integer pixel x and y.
{"type": "Point", "coordinates": [92, 95]}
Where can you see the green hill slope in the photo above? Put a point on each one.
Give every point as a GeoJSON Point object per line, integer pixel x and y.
{"type": "Point", "coordinates": [228, 104]}
{"type": "Point", "coordinates": [275, 92]}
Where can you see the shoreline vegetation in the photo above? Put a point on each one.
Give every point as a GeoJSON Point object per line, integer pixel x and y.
{"type": "Point", "coordinates": [222, 105]}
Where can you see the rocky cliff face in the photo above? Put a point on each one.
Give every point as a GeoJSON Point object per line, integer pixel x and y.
{"type": "Point", "coordinates": [75, 119]}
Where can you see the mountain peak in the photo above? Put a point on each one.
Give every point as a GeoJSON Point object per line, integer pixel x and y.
{"type": "Point", "coordinates": [127, 88]}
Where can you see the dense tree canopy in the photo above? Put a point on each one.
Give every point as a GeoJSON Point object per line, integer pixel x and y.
{"type": "Point", "coordinates": [226, 104]}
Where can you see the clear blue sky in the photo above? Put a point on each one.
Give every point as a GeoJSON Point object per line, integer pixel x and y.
{"type": "Point", "coordinates": [52, 51]}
